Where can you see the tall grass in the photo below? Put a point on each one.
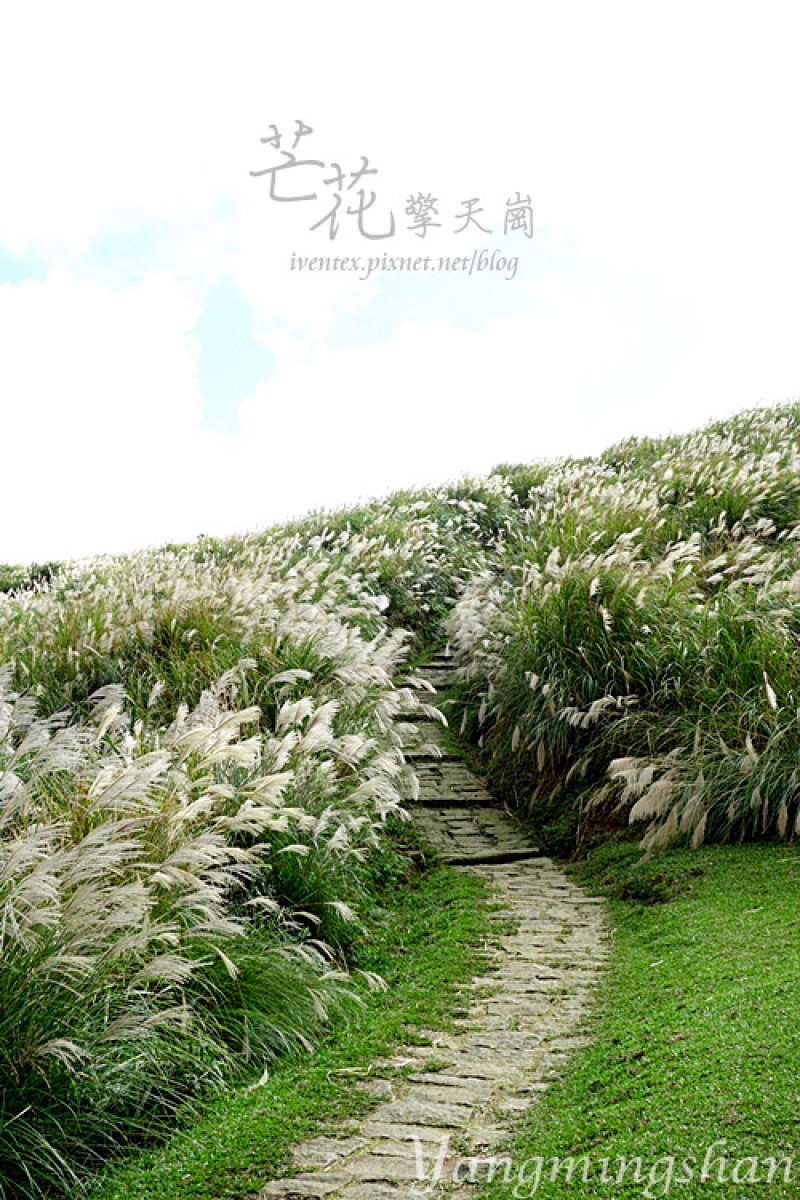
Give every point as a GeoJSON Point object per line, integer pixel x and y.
{"type": "Point", "coordinates": [638, 660]}
{"type": "Point", "coordinates": [198, 757]}
{"type": "Point", "coordinates": [179, 868]}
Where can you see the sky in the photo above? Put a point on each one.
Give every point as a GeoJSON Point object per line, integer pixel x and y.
{"type": "Point", "coordinates": [602, 202]}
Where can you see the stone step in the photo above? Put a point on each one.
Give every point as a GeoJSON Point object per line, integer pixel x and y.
{"type": "Point", "coordinates": [486, 860]}
{"type": "Point", "coordinates": [426, 756]}
{"type": "Point", "coordinates": [523, 1015]}
{"type": "Point", "coordinates": [440, 677]}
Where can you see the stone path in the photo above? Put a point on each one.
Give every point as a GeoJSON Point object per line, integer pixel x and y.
{"type": "Point", "coordinates": [437, 1121]}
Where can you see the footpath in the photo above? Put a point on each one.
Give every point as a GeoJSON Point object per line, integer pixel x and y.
{"type": "Point", "coordinates": [439, 1120]}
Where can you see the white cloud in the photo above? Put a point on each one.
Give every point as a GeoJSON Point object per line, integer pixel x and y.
{"type": "Point", "coordinates": [656, 143]}
{"type": "Point", "coordinates": [98, 396]}
{"type": "Point", "coordinates": [104, 400]}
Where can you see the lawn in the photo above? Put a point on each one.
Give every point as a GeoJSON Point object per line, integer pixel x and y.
{"type": "Point", "coordinates": [696, 1035]}
{"type": "Point", "coordinates": [430, 941]}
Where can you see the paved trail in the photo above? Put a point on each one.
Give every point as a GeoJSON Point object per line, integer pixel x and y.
{"type": "Point", "coordinates": [514, 1039]}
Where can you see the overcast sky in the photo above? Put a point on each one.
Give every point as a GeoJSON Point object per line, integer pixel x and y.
{"type": "Point", "coordinates": [165, 373]}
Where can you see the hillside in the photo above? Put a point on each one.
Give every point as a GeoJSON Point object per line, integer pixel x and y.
{"type": "Point", "coordinates": [201, 788]}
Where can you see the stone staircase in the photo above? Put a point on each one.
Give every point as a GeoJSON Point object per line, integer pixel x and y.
{"type": "Point", "coordinates": [435, 1123]}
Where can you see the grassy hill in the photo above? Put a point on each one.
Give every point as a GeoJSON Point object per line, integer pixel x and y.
{"type": "Point", "coordinates": [200, 784]}
{"type": "Point", "coordinates": [637, 659]}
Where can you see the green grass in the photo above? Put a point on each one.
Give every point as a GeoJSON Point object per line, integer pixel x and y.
{"type": "Point", "coordinates": [630, 625]}
{"type": "Point", "coordinates": [697, 1030]}
{"type": "Point", "coordinates": [632, 646]}
{"type": "Point", "coordinates": [429, 942]}
{"type": "Point", "coordinates": [19, 578]}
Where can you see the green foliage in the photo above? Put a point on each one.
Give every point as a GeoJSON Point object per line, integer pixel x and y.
{"type": "Point", "coordinates": [638, 658]}
{"type": "Point", "coordinates": [16, 579]}
{"type": "Point", "coordinates": [181, 867]}
{"type": "Point", "coordinates": [627, 630]}
{"type": "Point", "coordinates": [694, 1033]}
{"type": "Point", "coordinates": [424, 944]}
{"type": "Point", "coordinates": [617, 868]}
{"type": "Point", "coordinates": [523, 479]}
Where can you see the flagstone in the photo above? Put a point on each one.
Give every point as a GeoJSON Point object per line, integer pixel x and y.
{"type": "Point", "coordinates": [526, 1008]}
